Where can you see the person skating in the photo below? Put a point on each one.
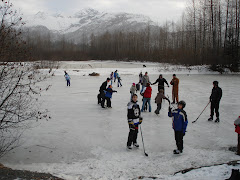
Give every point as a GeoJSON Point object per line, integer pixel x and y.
{"type": "Point", "coordinates": [237, 130]}
{"type": "Point", "coordinates": [140, 78]}
{"type": "Point", "coordinates": [175, 84]}
{"type": "Point", "coordinates": [134, 119]}
{"type": "Point", "coordinates": [67, 77]}
{"type": "Point", "coordinates": [108, 95]}
{"type": "Point", "coordinates": [115, 76]}
{"type": "Point", "coordinates": [215, 99]}
{"type": "Point", "coordinates": [147, 94]}
{"type": "Point", "coordinates": [161, 81]}
{"type": "Point", "coordinates": [133, 89]}
{"type": "Point", "coordinates": [119, 80]}
{"type": "Point", "coordinates": [101, 95]}
{"type": "Point", "coordinates": [179, 125]}
{"type": "Point", "coordinates": [111, 77]}
{"type": "Point", "coordinates": [158, 100]}
{"type": "Point", "coordinates": [145, 80]}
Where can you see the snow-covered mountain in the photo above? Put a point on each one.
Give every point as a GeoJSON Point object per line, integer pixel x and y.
{"type": "Point", "coordinates": [86, 22]}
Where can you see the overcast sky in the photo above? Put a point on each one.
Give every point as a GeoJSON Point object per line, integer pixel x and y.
{"type": "Point", "coordinates": [157, 10]}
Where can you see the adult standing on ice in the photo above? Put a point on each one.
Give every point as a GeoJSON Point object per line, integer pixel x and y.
{"type": "Point", "coordinates": [175, 84]}
{"type": "Point", "coordinates": [134, 119]}
{"type": "Point", "coordinates": [67, 77]}
{"type": "Point", "coordinates": [140, 77]}
{"type": "Point", "coordinates": [145, 80]}
{"type": "Point", "coordinates": [161, 81]}
{"type": "Point", "coordinates": [215, 99]}
{"type": "Point", "coordinates": [101, 96]}
{"type": "Point", "coordinates": [147, 94]}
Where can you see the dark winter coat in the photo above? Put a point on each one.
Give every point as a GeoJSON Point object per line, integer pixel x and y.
{"type": "Point", "coordinates": [216, 94]}
{"type": "Point", "coordinates": [134, 113]}
{"type": "Point", "coordinates": [159, 98]}
{"type": "Point", "coordinates": [103, 86]}
{"type": "Point", "coordinates": [161, 82]}
{"type": "Point", "coordinates": [109, 92]}
{"type": "Point", "coordinates": [180, 120]}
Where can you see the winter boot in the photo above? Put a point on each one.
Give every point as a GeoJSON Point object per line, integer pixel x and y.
{"type": "Point", "coordinates": [173, 102]}
{"type": "Point", "coordinates": [136, 145]}
{"type": "Point", "coordinates": [129, 147]}
{"type": "Point", "coordinates": [210, 119]}
{"type": "Point", "coordinates": [157, 113]}
{"type": "Point", "coordinates": [217, 120]}
{"type": "Point", "coordinates": [176, 151]}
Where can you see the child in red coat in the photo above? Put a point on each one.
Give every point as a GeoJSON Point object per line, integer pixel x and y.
{"type": "Point", "coordinates": [237, 130]}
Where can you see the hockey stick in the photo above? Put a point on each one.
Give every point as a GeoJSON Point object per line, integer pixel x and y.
{"type": "Point", "coordinates": [201, 112]}
{"type": "Point", "coordinates": [143, 142]}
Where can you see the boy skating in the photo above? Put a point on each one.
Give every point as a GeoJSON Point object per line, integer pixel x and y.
{"type": "Point", "coordinates": [133, 90]}
{"type": "Point", "coordinates": [158, 100]}
{"type": "Point", "coordinates": [101, 95]}
{"type": "Point", "coordinates": [108, 96]}
{"type": "Point", "coordinates": [67, 77]}
{"type": "Point", "coordinates": [179, 124]}
{"type": "Point", "coordinates": [134, 120]}
{"type": "Point", "coordinates": [215, 99]}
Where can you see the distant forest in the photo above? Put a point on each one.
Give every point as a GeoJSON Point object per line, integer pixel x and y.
{"type": "Point", "coordinates": [206, 33]}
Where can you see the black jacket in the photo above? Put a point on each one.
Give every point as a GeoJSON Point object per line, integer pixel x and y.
{"type": "Point", "coordinates": [134, 111]}
{"type": "Point", "coordinates": [216, 94]}
{"type": "Point", "coordinates": [103, 86]}
{"type": "Point", "coordinates": [161, 82]}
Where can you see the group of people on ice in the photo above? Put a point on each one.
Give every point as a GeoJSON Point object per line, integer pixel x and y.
{"type": "Point", "coordinates": [178, 115]}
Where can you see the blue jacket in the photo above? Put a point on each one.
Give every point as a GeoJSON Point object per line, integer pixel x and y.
{"type": "Point", "coordinates": [109, 92]}
{"type": "Point", "coordinates": [67, 77]}
{"type": "Point", "coordinates": [115, 74]}
{"type": "Point", "coordinates": [180, 121]}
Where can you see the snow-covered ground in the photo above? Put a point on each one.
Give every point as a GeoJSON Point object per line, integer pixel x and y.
{"type": "Point", "coordinates": [84, 141]}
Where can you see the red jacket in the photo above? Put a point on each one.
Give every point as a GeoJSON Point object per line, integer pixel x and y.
{"type": "Point", "coordinates": [237, 128]}
{"type": "Point", "coordinates": [148, 92]}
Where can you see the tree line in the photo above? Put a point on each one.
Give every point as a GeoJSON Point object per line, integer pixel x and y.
{"type": "Point", "coordinates": [206, 33]}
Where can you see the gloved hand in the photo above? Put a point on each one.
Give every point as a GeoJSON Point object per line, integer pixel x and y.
{"type": "Point", "coordinates": [132, 126]}
{"type": "Point", "coordinates": [140, 120]}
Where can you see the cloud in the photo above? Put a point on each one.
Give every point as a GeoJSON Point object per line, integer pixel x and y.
{"type": "Point", "coordinates": [158, 10]}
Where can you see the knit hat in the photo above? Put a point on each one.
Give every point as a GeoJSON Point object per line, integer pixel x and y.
{"type": "Point", "coordinates": [134, 84]}
{"type": "Point", "coordinates": [237, 121]}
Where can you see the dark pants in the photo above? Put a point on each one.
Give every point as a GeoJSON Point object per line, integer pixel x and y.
{"type": "Point", "coordinates": [179, 140]}
{"type": "Point", "coordinates": [101, 98]}
{"type": "Point", "coordinates": [238, 150]}
{"type": "Point", "coordinates": [68, 82]}
{"type": "Point", "coordinates": [119, 82]}
{"type": "Point", "coordinates": [132, 136]}
{"type": "Point", "coordinates": [109, 104]}
{"type": "Point", "coordinates": [215, 107]}
{"type": "Point", "coordinates": [159, 107]}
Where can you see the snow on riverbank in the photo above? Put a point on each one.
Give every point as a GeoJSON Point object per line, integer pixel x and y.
{"type": "Point", "coordinates": [83, 141]}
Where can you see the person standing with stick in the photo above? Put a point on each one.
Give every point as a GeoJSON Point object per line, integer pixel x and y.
{"type": "Point", "coordinates": [215, 99]}
{"type": "Point", "coordinates": [175, 84]}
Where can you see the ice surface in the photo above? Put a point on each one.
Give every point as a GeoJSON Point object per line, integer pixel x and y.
{"type": "Point", "coordinates": [83, 141]}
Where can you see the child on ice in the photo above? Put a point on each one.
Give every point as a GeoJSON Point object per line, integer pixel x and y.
{"type": "Point", "coordinates": [67, 77]}
{"type": "Point", "coordinates": [133, 90]}
{"type": "Point", "coordinates": [179, 124]}
{"type": "Point", "coordinates": [108, 96]}
{"type": "Point", "coordinates": [134, 120]}
{"type": "Point", "coordinates": [158, 100]}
